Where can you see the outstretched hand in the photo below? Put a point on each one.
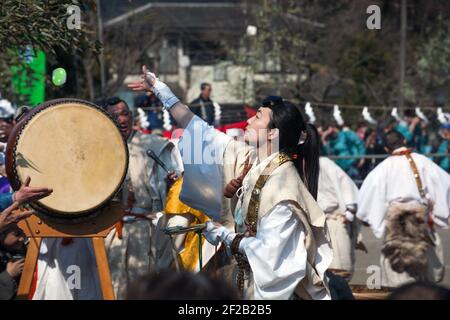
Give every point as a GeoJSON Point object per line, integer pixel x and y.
{"type": "Point", "coordinates": [29, 194]}
{"type": "Point", "coordinates": [12, 215]}
{"type": "Point", "coordinates": [147, 82]}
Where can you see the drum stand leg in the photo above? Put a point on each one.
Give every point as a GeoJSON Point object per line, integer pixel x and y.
{"type": "Point", "coordinates": [31, 259]}
{"type": "Point", "coordinates": [103, 268]}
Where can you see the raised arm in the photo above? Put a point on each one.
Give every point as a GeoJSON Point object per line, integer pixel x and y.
{"type": "Point", "coordinates": [150, 83]}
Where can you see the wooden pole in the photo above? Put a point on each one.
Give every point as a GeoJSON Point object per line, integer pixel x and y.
{"type": "Point", "coordinates": [102, 55]}
{"type": "Point", "coordinates": [402, 51]}
{"type": "Point", "coordinates": [103, 268]}
{"type": "Point", "coordinates": [31, 259]}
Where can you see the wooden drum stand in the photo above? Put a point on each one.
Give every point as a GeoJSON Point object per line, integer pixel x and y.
{"type": "Point", "coordinates": [36, 228]}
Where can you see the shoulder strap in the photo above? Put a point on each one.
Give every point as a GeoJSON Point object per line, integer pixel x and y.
{"type": "Point", "coordinates": [416, 174]}
{"type": "Point", "coordinates": [253, 207]}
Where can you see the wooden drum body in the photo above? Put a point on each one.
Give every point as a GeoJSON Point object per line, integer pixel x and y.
{"type": "Point", "coordinates": [73, 147]}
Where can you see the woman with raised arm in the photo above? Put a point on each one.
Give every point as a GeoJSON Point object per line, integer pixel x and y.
{"type": "Point", "coordinates": [280, 240]}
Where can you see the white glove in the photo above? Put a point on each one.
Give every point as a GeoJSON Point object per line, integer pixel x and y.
{"type": "Point", "coordinates": [161, 91]}
{"type": "Point", "coordinates": [350, 216]}
{"type": "Point", "coordinates": [215, 234]}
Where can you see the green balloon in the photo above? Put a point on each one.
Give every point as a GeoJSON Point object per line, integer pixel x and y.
{"type": "Point", "coordinates": [59, 76]}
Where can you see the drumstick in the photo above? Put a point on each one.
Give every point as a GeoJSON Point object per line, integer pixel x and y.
{"type": "Point", "coordinates": [153, 155]}
{"type": "Point", "coordinates": [179, 229]}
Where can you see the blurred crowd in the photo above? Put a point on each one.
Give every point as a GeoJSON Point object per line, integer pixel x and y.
{"type": "Point", "coordinates": [344, 143]}
{"type": "Point", "coordinates": [349, 145]}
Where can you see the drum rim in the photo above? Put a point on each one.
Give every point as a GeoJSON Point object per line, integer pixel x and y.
{"type": "Point", "coordinates": [13, 177]}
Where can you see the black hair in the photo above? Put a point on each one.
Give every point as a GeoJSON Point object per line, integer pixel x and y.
{"type": "Point", "coordinates": [204, 85]}
{"type": "Point", "coordinates": [420, 291]}
{"type": "Point", "coordinates": [112, 101]}
{"type": "Point", "coordinates": [394, 140]}
{"type": "Point", "coordinates": [290, 122]}
{"type": "Point", "coordinates": [169, 285]}
{"type": "Point", "coordinates": [330, 123]}
{"type": "Point", "coordinates": [410, 113]}
{"type": "Point", "coordinates": [142, 101]}
{"type": "Point", "coordinates": [387, 122]}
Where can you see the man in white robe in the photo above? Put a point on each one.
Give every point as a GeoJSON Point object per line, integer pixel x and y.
{"type": "Point", "coordinates": [337, 196]}
{"type": "Point", "coordinates": [393, 184]}
{"type": "Point", "coordinates": [138, 246]}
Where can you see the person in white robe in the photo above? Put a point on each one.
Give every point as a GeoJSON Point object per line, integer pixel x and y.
{"type": "Point", "coordinates": [394, 187]}
{"type": "Point", "coordinates": [337, 196]}
{"type": "Point", "coordinates": [137, 245]}
{"type": "Point", "coordinates": [285, 251]}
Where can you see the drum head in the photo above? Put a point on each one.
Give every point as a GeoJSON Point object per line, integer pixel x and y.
{"type": "Point", "coordinates": [76, 149]}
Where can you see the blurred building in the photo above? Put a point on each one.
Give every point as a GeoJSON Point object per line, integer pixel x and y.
{"type": "Point", "coordinates": [196, 46]}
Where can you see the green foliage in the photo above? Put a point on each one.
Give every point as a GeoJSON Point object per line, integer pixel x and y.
{"type": "Point", "coordinates": [364, 60]}
{"type": "Point", "coordinates": [278, 47]}
{"type": "Point", "coordinates": [433, 63]}
{"type": "Point", "coordinates": [41, 25]}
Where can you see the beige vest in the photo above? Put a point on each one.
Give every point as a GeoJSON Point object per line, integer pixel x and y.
{"type": "Point", "coordinates": [285, 185]}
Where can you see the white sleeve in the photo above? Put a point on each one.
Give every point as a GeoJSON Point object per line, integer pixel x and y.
{"type": "Point", "coordinates": [277, 255]}
{"type": "Point", "coordinates": [372, 202]}
{"type": "Point", "coordinates": [347, 187]}
{"type": "Point", "coordinates": [202, 148]}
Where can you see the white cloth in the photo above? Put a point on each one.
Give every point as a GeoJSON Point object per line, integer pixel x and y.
{"type": "Point", "coordinates": [216, 234]}
{"type": "Point", "coordinates": [277, 256]}
{"type": "Point", "coordinates": [336, 192]}
{"type": "Point", "coordinates": [202, 149]}
{"type": "Point", "coordinates": [336, 189]}
{"type": "Point", "coordinates": [67, 272]}
{"type": "Point", "coordinates": [393, 179]}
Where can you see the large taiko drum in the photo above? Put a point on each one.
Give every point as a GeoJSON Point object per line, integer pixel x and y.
{"type": "Point", "coordinates": [73, 147]}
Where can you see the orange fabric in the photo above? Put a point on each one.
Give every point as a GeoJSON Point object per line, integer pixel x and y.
{"type": "Point", "coordinates": [189, 257]}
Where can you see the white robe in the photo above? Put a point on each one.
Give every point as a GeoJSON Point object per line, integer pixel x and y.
{"type": "Point", "coordinates": [337, 191]}
{"type": "Point", "coordinates": [277, 255]}
{"type": "Point", "coordinates": [67, 272]}
{"type": "Point", "coordinates": [393, 179]}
